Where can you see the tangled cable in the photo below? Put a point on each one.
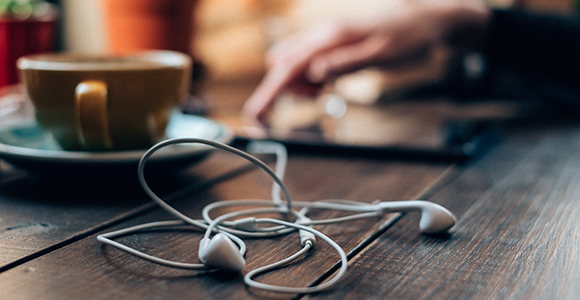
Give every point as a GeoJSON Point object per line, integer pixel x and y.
{"type": "Point", "coordinates": [226, 249]}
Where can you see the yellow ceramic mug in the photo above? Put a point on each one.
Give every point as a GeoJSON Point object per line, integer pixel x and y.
{"type": "Point", "coordinates": [105, 103]}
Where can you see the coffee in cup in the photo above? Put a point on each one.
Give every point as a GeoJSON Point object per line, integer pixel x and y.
{"type": "Point", "coordinates": [99, 103]}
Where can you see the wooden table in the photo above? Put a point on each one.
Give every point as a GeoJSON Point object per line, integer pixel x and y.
{"type": "Point", "coordinates": [517, 234]}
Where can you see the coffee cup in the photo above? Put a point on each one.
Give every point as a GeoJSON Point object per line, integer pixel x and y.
{"type": "Point", "coordinates": [101, 103]}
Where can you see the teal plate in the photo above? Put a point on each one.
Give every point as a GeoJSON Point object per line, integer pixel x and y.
{"type": "Point", "coordinates": [23, 144]}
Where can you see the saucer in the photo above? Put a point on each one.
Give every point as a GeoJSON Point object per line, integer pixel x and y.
{"type": "Point", "coordinates": [25, 145]}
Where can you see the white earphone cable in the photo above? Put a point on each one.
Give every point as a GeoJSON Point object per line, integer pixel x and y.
{"type": "Point", "coordinates": [106, 239]}
{"type": "Point", "coordinates": [438, 219]}
{"type": "Point", "coordinates": [344, 261]}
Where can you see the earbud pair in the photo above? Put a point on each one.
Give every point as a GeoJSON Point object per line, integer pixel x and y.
{"type": "Point", "coordinates": [222, 253]}
{"type": "Point", "coordinates": [226, 249]}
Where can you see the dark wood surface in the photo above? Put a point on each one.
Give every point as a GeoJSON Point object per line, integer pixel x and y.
{"type": "Point", "coordinates": [516, 238]}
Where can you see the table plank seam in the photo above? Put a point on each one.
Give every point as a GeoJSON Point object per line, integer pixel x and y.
{"type": "Point", "coordinates": [184, 192]}
{"type": "Point", "coordinates": [447, 175]}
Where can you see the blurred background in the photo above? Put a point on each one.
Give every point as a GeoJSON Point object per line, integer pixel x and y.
{"type": "Point", "coordinates": [228, 37]}
{"type": "Point", "coordinates": [231, 36]}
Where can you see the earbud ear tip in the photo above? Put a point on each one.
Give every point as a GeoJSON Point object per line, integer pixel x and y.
{"type": "Point", "coordinates": [222, 253]}
{"type": "Point", "coordinates": [437, 220]}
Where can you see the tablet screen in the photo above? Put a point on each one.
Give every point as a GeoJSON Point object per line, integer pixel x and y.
{"type": "Point", "coordinates": [427, 128]}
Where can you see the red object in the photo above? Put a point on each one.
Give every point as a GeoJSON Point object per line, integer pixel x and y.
{"type": "Point", "coordinates": [21, 37]}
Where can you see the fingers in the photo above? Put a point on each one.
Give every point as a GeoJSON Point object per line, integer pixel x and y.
{"type": "Point", "coordinates": [336, 48]}
{"type": "Point", "coordinates": [263, 97]}
{"type": "Point", "coordinates": [347, 58]}
{"type": "Point", "coordinates": [301, 47]}
{"type": "Point", "coordinates": [289, 63]}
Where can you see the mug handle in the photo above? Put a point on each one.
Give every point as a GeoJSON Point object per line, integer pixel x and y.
{"type": "Point", "coordinates": [91, 115]}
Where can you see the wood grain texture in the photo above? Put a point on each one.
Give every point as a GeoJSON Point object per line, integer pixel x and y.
{"type": "Point", "coordinates": [517, 235]}
{"type": "Point", "coordinates": [86, 269]}
{"type": "Point", "coordinates": [36, 214]}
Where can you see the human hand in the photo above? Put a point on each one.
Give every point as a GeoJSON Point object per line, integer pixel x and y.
{"type": "Point", "coordinates": [304, 62]}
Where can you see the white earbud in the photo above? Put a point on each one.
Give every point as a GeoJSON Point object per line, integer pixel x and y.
{"type": "Point", "coordinates": [221, 252]}
{"type": "Point", "coordinates": [226, 249]}
{"type": "Point", "coordinates": [434, 217]}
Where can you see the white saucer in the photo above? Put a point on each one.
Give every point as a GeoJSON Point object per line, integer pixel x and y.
{"type": "Point", "coordinates": [24, 144]}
